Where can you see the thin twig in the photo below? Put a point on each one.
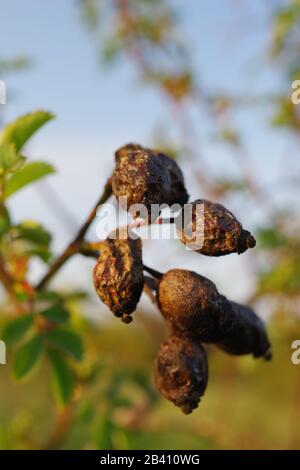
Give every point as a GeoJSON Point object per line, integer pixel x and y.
{"type": "Point", "coordinates": [151, 282]}
{"type": "Point", "coordinates": [153, 272]}
{"type": "Point", "coordinates": [103, 198]}
{"type": "Point", "coordinates": [75, 245]}
{"type": "Point", "coordinates": [150, 288]}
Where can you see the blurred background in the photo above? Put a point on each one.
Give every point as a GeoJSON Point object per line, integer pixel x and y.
{"type": "Point", "coordinates": [209, 83]}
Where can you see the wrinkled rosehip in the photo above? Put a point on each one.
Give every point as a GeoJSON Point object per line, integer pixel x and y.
{"type": "Point", "coordinates": [181, 372]}
{"type": "Point", "coordinates": [249, 335]}
{"type": "Point", "coordinates": [192, 304]}
{"type": "Point", "coordinates": [118, 274]}
{"type": "Point", "coordinates": [211, 229]}
{"type": "Point", "coordinates": [147, 177]}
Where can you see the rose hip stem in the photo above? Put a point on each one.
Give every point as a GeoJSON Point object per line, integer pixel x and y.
{"type": "Point", "coordinates": [74, 246]}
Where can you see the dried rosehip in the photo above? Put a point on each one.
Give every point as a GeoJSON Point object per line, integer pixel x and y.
{"type": "Point", "coordinates": [118, 274]}
{"type": "Point", "coordinates": [249, 335]}
{"type": "Point", "coordinates": [147, 177]}
{"type": "Point", "coordinates": [209, 228]}
{"type": "Point", "coordinates": [192, 304]}
{"type": "Point", "coordinates": [181, 372]}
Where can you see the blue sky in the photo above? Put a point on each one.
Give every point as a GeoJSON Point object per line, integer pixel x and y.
{"type": "Point", "coordinates": [68, 78]}
{"type": "Point", "coordinates": [98, 108]}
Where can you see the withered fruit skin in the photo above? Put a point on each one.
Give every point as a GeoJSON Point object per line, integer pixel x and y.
{"type": "Point", "coordinates": [192, 304]}
{"type": "Point", "coordinates": [118, 275]}
{"type": "Point", "coordinates": [181, 372]}
{"type": "Point", "coordinates": [147, 177]}
{"type": "Point", "coordinates": [249, 335]}
{"type": "Point", "coordinates": [223, 233]}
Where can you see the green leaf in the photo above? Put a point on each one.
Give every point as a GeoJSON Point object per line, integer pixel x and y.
{"type": "Point", "coordinates": [56, 314]}
{"type": "Point", "coordinates": [28, 358]}
{"type": "Point", "coordinates": [16, 329]}
{"type": "Point", "coordinates": [20, 131]}
{"type": "Point", "coordinates": [50, 296]}
{"type": "Point", "coordinates": [34, 232]}
{"type": "Point", "coordinates": [28, 174]}
{"type": "Point", "coordinates": [62, 377]}
{"type": "Point", "coordinates": [10, 160]}
{"type": "Point", "coordinates": [67, 341]}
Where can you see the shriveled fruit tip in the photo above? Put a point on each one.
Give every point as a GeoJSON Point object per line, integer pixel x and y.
{"type": "Point", "coordinates": [126, 318]}
{"type": "Point", "coordinates": [245, 241]}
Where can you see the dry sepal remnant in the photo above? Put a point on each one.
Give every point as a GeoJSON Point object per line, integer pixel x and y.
{"type": "Point", "coordinates": [181, 371]}
{"type": "Point", "coordinates": [220, 232]}
{"type": "Point", "coordinates": [147, 177]}
{"type": "Point", "coordinates": [193, 308]}
{"type": "Point", "coordinates": [118, 274]}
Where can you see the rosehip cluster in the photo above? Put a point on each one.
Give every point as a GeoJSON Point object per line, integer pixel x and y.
{"type": "Point", "coordinates": [193, 308]}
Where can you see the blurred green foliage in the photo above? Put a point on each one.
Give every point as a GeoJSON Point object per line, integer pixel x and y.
{"type": "Point", "coordinates": [248, 404]}
{"type": "Point", "coordinates": [101, 376]}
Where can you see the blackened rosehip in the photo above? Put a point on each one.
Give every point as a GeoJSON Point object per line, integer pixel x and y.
{"type": "Point", "coordinates": [192, 304]}
{"type": "Point", "coordinates": [181, 372]}
{"type": "Point", "coordinates": [177, 193]}
{"type": "Point", "coordinates": [249, 335]}
{"type": "Point", "coordinates": [211, 229]}
{"type": "Point", "coordinates": [118, 274]}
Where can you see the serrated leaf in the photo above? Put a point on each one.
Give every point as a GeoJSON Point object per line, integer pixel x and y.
{"type": "Point", "coordinates": [30, 173]}
{"type": "Point", "coordinates": [20, 131]}
{"type": "Point", "coordinates": [67, 341]}
{"type": "Point", "coordinates": [10, 160]}
{"type": "Point", "coordinates": [34, 232]}
{"type": "Point", "coordinates": [62, 377]}
{"type": "Point", "coordinates": [16, 329]}
{"type": "Point", "coordinates": [28, 358]}
{"type": "Point", "coordinates": [56, 314]}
